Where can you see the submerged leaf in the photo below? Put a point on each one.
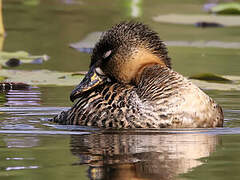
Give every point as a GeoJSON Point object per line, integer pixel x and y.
{"type": "Point", "coordinates": [226, 8]}
{"type": "Point", "coordinates": [229, 20]}
{"type": "Point", "coordinates": [210, 77]}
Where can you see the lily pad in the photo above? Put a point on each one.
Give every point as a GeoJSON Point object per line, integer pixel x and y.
{"type": "Point", "coordinates": [204, 44]}
{"type": "Point", "coordinates": [191, 19]}
{"type": "Point", "coordinates": [217, 86]}
{"type": "Point", "coordinates": [22, 56]}
{"type": "Point", "coordinates": [2, 78]}
{"type": "Point", "coordinates": [2, 99]}
{"type": "Point", "coordinates": [31, 2]}
{"type": "Point", "coordinates": [42, 77]}
{"type": "Point", "coordinates": [86, 45]}
{"type": "Point", "coordinates": [211, 78]}
{"type": "Point", "coordinates": [226, 8]}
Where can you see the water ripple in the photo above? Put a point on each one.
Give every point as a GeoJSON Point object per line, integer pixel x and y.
{"type": "Point", "coordinates": [43, 132]}
{"type": "Point", "coordinates": [80, 130]}
{"type": "Point", "coordinates": [21, 167]}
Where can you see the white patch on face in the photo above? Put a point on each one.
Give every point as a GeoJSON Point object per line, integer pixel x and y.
{"type": "Point", "coordinates": [99, 71]}
{"type": "Point", "coordinates": [108, 80]}
{"type": "Point", "coordinates": [107, 54]}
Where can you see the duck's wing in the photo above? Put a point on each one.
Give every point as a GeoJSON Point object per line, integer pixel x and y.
{"type": "Point", "coordinates": [109, 106]}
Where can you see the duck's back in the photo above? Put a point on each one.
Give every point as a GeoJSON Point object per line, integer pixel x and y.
{"type": "Point", "coordinates": [177, 102]}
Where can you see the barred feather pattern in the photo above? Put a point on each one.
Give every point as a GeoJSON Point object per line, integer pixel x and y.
{"type": "Point", "coordinates": [177, 101]}
{"type": "Point", "coordinates": [110, 106]}
{"type": "Point", "coordinates": [162, 99]}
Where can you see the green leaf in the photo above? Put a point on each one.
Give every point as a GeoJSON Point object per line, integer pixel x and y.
{"type": "Point", "coordinates": [226, 8]}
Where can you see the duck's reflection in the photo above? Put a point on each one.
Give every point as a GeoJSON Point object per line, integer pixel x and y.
{"type": "Point", "coordinates": [123, 156]}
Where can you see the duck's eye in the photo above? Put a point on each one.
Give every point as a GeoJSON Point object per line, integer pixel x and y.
{"type": "Point", "coordinates": [107, 54]}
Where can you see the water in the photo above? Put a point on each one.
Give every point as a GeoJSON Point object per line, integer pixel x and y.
{"type": "Point", "coordinates": [33, 148]}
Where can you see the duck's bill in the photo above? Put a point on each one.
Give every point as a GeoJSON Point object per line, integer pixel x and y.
{"type": "Point", "coordinates": [91, 80]}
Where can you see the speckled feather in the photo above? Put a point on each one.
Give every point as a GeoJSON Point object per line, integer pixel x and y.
{"type": "Point", "coordinates": [157, 97]}
{"type": "Point", "coordinates": [163, 98]}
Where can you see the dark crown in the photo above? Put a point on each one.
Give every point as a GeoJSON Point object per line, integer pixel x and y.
{"type": "Point", "coordinates": [127, 36]}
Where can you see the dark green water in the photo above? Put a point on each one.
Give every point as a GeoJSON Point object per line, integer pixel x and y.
{"type": "Point", "coordinates": [33, 148]}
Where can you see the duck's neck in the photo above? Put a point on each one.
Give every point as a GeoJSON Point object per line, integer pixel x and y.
{"type": "Point", "coordinates": [157, 81]}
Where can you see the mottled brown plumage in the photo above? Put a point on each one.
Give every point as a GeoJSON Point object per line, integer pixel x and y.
{"type": "Point", "coordinates": [130, 84]}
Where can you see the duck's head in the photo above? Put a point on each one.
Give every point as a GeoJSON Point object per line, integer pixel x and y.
{"type": "Point", "coordinates": [121, 54]}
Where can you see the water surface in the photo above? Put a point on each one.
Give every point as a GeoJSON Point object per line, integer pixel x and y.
{"type": "Point", "coordinates": [33, 148]}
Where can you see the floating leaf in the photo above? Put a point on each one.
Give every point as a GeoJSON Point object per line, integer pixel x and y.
{"type": "Point", "coordinates": [211, 78]}
{"type": "Point", "coordinates": [86, 45]}
{"type": "Point", "coordinates": [79, 73]}
{"type": "Point", "coordinates": [204, 44]}
{"type": "Point", "coordinates": [229, 20]}
{"type": "Point", "coordinates": [2, 78]}
{"type": "Point", "coordinates": [2, 99]}
{"type": "Point", "coordinates": [216, 86]}
{"type": "Point", "coordinates": [42, 77]}
{"type": "Point", "coordinates": [215, 82]}
{"type": "Point", "coordinates": [22, 56]}
{"type": "Point", "coordinates": [226, 8]}
{"type": "Point", "coordinates": [31, 2]}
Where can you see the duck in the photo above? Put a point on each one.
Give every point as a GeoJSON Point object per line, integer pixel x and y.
{"type": "Point", "coordinates": [131, 84]}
